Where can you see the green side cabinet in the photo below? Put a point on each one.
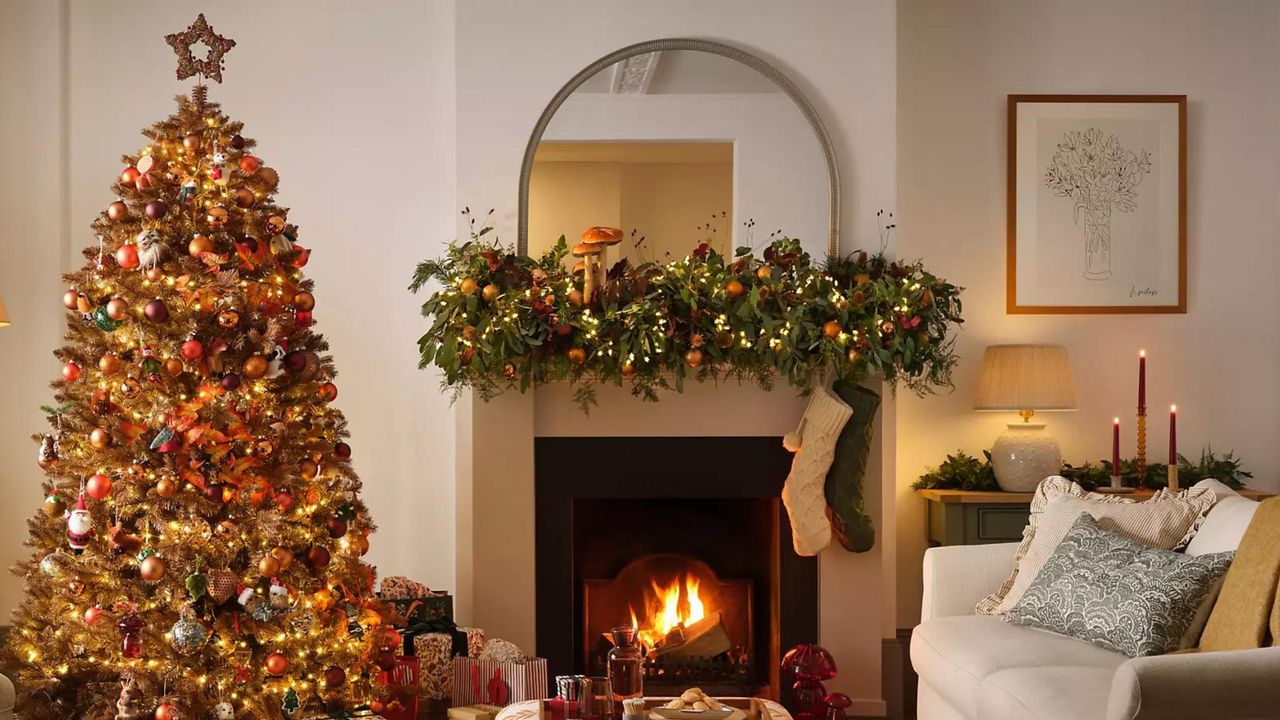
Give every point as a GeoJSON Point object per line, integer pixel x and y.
{"type": "Point", "coordinates": [962, 517]}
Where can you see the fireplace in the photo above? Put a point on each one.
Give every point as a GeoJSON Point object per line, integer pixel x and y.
{"type": "Point", "coordinates": [685, 539]}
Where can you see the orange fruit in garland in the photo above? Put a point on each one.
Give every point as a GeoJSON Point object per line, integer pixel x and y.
{"type": "Point", "coordinates": [734, 289]}
{"type": "Point", "coordinates": [831, 329]}
{"type": "Point", "coordinates": [693, 358]}
{"type": "Point", "coordinates": [577, 356]}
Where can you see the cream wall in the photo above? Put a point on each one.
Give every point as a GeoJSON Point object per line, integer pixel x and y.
{"type": "Point", "coordinates": [956, 64]}
{"type": "Point", "coordinates": [355, 110]}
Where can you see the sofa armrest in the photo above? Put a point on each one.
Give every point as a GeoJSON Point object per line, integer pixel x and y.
{"type": "Point", "coordinates": [1236, 685]}
{"type": "Point", "coordinates": [956, 577]}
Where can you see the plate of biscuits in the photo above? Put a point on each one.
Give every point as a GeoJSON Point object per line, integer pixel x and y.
{"type": "Point", "coordinates": [693, 704]}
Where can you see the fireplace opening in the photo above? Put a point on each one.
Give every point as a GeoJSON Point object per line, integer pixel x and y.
{"type": "Point", "coordinates": [684, 539]}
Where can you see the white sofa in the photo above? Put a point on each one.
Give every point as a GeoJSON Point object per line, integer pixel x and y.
{"type": "Point", "coordinates": [6, 698]}
{"type": "Point", "coordinates": [978, 667]}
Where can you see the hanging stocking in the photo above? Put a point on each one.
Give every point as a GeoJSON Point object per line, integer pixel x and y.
{"type": "Point", "coordinates": [814, 444]}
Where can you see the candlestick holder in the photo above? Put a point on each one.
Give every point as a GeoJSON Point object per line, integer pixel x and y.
{"type": "Point", "coordinates": [1142, 445]}
{"type": "Point", "coordinates": [1173, 477]}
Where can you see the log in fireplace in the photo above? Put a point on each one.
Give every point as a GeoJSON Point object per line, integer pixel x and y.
{"type": "Point", "coordinates": [684, 539]}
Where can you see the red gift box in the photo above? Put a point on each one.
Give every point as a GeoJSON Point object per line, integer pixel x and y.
{"type": "Point", "coordinates": [402, 681]}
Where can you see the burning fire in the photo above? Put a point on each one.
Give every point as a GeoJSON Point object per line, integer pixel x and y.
{"type": "Point", "coordinates": [668, 608]}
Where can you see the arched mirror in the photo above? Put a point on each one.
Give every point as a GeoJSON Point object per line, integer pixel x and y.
{"type": "Point", "coordinates": [679, 142]}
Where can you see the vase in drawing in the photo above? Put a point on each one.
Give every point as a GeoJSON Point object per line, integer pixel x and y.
{"type": "Point", "coordinates": [1097, 240]}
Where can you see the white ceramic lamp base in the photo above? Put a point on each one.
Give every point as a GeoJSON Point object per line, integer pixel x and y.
{"type": "Point", "coordinates": [1023, 456]}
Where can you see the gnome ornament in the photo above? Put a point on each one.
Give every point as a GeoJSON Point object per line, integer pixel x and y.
{"type": "Point", "coordinates": [150, 247]}
{"type": "Point", "coordinates": [278, 596]}
{"type": "Point", "coordinates": [814, 444]}
{"type": "Point", "coordinates": [79, 526]}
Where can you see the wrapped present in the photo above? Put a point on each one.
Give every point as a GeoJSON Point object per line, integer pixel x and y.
{"type": "Point", "coordinates": [403, 683]}
{"type": "Point", "coordinates": [435, 655]}
{"type": "Point", "coordinates": [398, 587]}
{"type": "Point", "coordinates": [475, 640]}
{"type": "Point", "coordinates": [474, 712]}
{"type": "Point", "coordinates": [412, 602]}
{"type": "Point", "coordinates": [498, 682]}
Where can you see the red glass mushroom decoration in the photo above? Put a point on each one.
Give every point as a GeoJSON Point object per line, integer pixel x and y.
{"type": "Point", "coordinates": [810, 665]}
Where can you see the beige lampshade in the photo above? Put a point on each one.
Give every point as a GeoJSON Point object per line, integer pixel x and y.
{"type": "Point", "coordinates": [4, 314]}
{"type": "Point", "coordinates": [1025, 377]}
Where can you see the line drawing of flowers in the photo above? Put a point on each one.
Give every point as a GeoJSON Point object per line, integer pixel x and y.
{"type": "Point", "coordinates": [1098, 174]}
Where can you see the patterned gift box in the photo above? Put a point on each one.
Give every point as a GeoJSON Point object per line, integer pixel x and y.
{"type": "Point", "coordinates": [496, 682]}
{"type": "Point", "coordinates": [475, 640]}
{"type": "Point", "coordinates": [435, 651]}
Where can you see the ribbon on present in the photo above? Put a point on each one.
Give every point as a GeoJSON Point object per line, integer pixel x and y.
{"type": "Point", "coordinates": [444, 626]}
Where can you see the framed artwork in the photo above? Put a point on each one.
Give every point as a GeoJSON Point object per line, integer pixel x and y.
{"type": "Point", "coordinates": [1097, 214]}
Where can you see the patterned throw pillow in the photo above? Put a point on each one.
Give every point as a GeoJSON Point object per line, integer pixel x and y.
{"type": "Point", "coordinates": [1167, 521]}
{"type": "Point", "coordinates": [1116, 593]}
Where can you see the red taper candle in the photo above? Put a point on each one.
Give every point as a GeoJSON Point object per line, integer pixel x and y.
{"type": "Point", "coordinates": [1142, 382]}
{"type": "Point", "coordinates": [1115, 446]}
{"type": "Point", "coordinates": [1173, 434]}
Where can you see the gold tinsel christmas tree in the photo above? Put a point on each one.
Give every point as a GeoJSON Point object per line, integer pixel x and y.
{"type": "Point", "coordinates": [198, 552]}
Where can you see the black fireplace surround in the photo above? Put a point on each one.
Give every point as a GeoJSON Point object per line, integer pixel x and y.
{"type": "Point", "coordinates": [601, 502]}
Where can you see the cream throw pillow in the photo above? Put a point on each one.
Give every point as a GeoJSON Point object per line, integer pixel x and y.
{"type": "Point", "coordinates": [1166, 521]}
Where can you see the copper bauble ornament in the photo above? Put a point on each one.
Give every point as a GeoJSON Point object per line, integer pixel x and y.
{"type": "Point", "coordinates": [155, 273]}
{"type": "Point", "coordinates": [250, 164]}
{"type": "Point", "coordinates": [216, 217]}
{"type": "Point", "coordinates": [245, 198]}
{"type": "Point", "coordinates": [268, 566]}
{"type": "Point", "coordinates": [360, 544]}
{"type": "Point", "coordinates": [98, 486]}
{"type": "Point", "coordinates": [166, 487]}
{"type": "Point", "coordinates": [228, 319]}
{"type": "Point", "coordinates": [693, 358]}
{"type": "Point", "coordinates": [70, 372]}
{"type": "Point", "coordinates": [304, 301]}
{"type": "Point", "coordinates": [831, 329]}
{"type": "Point", "coordinates": [490, 293]}
{"type": "Point", "coordinates": [337, 527]}
{"type": "Point", "coordinates": [724, 339]}
{"type": "Point", "coordinates": [467, 286]}
{"type": "Point", "coordinates": [334, 676]}
{"type": "Point", "coordinates": [153, 569]}
{"type": "Point", "coordinates": [167, 711]}
{"type": "Point", "coordinates": [577, 356]}
{"type": "Point", "coordinates": [100, 438]}
{"type": "Point", "coordinates": [734, 288]}
{"type": "Point", "coordinates": [156, 209]}
{"type": "Point", "coordinates": [328, 392]}
{"type": "Point", "coordinates": [276, 664]}
{"type": "Point", "coordinates": [308, 469]}
{"type": "Point", "coordinates": [127, 256]}
{"type": "Point", "coordinates": [109, 363]}
{"type": "Point", "coordinates": [627, 369]}
{"type": "Point", "coordinates": [192, 142]}
{"type": "Point", "coordinates": [156, 311]}
{"type": "Point", "coordinates": [117, 308]}
{"type": "Point", "coordinates": [69, 299]}
{"type": "Point", "coordinates": [93, 615]}
{"type": "Point", "coordinates": [199, 245]}
{"type": "Point", "coordinates": [255, 366]}
{"type": "Point", "coordinates": [129, 176]}
{"type": "Point", "coordinates": [173, 367]}
{"type": "Point", "coordinates": [275, 224]}
{"type": "Point", "coordinates": [318, 557]}
{"type": "Point", "coordinates": [118, 211]}
{"type": "Point", "coordinates": [283, 556]}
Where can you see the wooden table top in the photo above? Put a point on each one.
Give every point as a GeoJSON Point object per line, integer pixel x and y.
{"type": "Point", "coordinates": [999, 497]}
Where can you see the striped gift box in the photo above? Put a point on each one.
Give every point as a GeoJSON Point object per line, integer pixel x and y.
{"type": "Point", "coordinates": [500, 683]}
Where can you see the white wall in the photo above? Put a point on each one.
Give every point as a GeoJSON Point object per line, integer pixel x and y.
{"type": "Point", "coordinates": [354, 109]}
{"type": "Point", "coordinates": [956, 64]}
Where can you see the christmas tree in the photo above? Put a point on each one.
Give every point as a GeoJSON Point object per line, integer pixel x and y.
{"type": "Point", "coordinates": [198, 552]}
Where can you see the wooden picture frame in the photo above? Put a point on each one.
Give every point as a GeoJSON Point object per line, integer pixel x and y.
{"type": "Point", "coordinates": [1076, 177]}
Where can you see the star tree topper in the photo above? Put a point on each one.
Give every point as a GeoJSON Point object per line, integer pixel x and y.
{"type": "Point", "coordinates": [188, 64]}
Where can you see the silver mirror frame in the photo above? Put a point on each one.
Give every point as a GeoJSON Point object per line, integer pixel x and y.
{"type": "Point", "coordinates": [708, 46]}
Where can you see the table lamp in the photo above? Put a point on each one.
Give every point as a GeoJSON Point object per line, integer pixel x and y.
{"type": "Point", "coordinates": [1024, 379]}
{"type": "Point", "coordinates": [4, 314]}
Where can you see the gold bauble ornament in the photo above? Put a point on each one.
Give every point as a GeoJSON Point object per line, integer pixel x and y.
{"type": "Point", "coordinates": [575, 298]}
{"type": "Point", "coordinates": [268, 566]}
{"type": "Point", "coordinates": [153, 569]}
{"type": "Point", "coordinates": [166, 487]}
{"type": "Point", "coordinates": [308, 469]}
{"type": "Point", "coordinates": [304, 301]}
{"type": "Point", "coordinates": [467, 286]}
{"type": "Point", "coordinates": [627, 369]}
{"type": "Point", "coordinates": [199, 245]}
{"type": "Point", "coordinates": [853, 356]}
{"type": "Point", "coordinates": [577, 356]}
{"type": "Point", "coordinates": [693, 358]}
{"type": "Point", "coordinates": [283, 556]}
{"type": "Point", "coordinates": [100, 438]}
{"type": "Point", "coordinates": [173, 367]}
{"type": "Point", "coordinates": [255, 366]}
{"type": "Point", "coordinates": [117, 309]}
{"type": "Point", "coordinates": [724, 339]}
{"type": "Point", "coordinates": [490, 293]}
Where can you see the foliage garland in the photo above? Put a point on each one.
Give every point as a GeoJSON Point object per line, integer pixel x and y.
{"type": "Point", "coordinates": [501, 320]}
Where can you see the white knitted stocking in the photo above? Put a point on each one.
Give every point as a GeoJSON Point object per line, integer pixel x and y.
{"type": "Point", "coordinates": [815, 448]}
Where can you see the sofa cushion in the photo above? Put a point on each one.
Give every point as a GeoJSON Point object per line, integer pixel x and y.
{"type": "Point", "coordinates": [1117, 593]}
{"type": "Point", "coordinates": [955, 655]}
{"type": "Point", "coordinates": [1226, 522]}
{"type": "Point", "coordinates": [1167, 521]}
{"type": "Point", "coordinates": [1046, 693]}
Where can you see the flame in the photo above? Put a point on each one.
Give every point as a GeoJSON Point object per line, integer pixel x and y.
{"type": "Point", "coordinates": [666, 612]}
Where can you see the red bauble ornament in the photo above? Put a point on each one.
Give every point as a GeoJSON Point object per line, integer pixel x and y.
{"type": "Point", "coordinates": [127, 257]}
{"type": "Point", "coordinates": [93, 616]}
{"type": "Point", "coordinates": [328, 392]}
{"type": "Point", "coordinates": [98, 487]}
{"type": "Point", "coordinates": [167, 711]}
{"type": "Point", "coordinates": [237, 142]}
{"type": "Point", "coordinates": [230, 381]}
{"type": "Point", "coordinates": [129, 176]}
{"type": "Point", "coordinates": [156, 209]}
{"type": "Point", "coordinates": [118, 211]}
{"type": "Point", "coordinates": [334, 676]}
{"type": "Point", "coordinates": [276, 664]}
{"type": "Point", "coordinates": [318, 557]}
{"type": "Point", "coordinates": [70, 372]}
{"type": "Point", "coordinates": [386, 660]}
{"type": "Point", "coordinates": [213, 492]}
{"type": "Point", "coordinates": [191, 350]}
{"type": "Point", "coordinates": [117, 309]}
{"type": "Point", "coordinates": [342, 450]}
{"type": "Point", "coordinates": [156, 311]}
{"type": "Point", "coordinates": [284, 500]}
{"type": "Point", "coordinates": [337, 527]}
{"type": "Point", "coordinates": [250, 164]}
{"type": "Point", "coordinates": [304, 318]}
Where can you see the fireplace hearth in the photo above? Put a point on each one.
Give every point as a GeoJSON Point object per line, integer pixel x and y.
{"type": "Point", "coordinates": [683, 538]}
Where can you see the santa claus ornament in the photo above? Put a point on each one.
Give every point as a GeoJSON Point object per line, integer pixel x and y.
{"type": "Point", "coordinates": [79, 526]}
